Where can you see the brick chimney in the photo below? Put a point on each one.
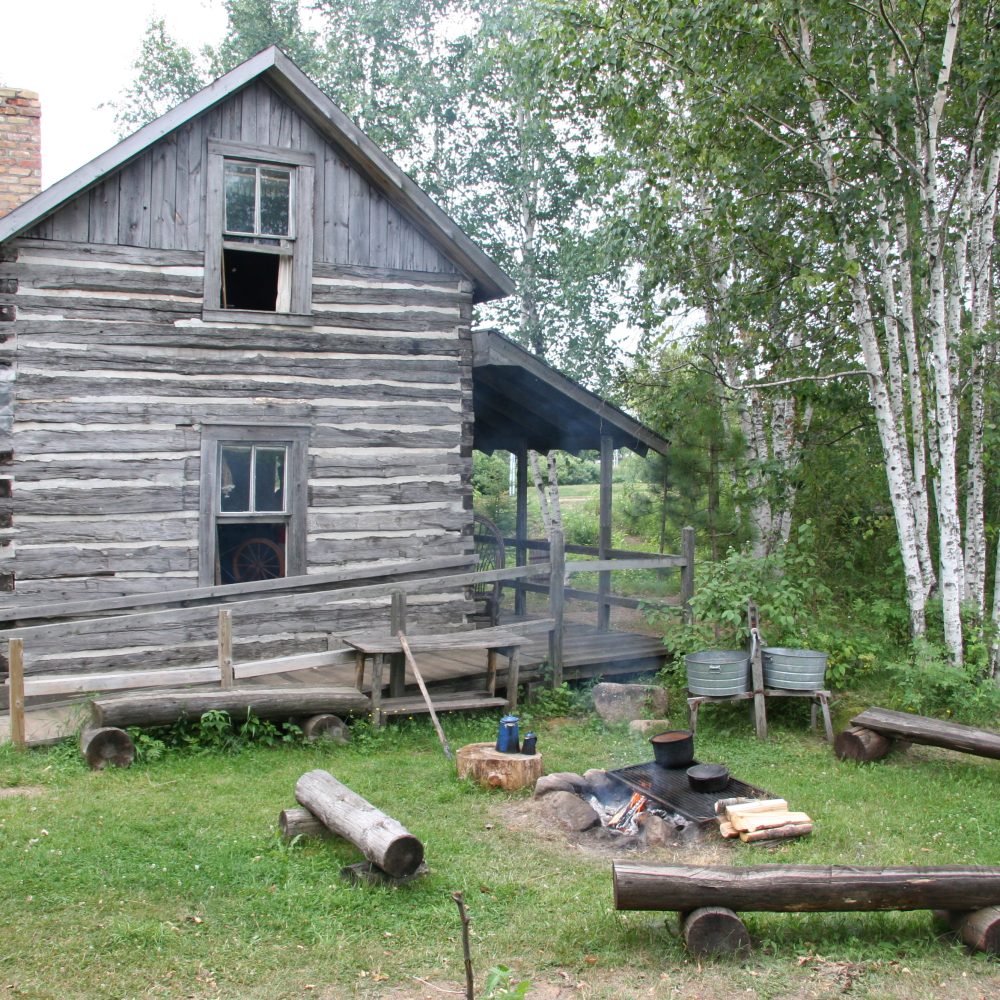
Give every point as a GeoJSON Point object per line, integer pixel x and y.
{"type": "Point", "coordinates": [20, 148]}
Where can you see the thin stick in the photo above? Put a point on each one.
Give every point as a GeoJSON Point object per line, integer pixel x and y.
{"type": "Point", "coordinates": [423, 690]}
{"type": "Point", "coordinates": [470, 989]}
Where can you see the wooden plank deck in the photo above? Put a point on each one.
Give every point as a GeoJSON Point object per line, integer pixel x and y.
{"type": "Point", "coordinates": [587, 654]}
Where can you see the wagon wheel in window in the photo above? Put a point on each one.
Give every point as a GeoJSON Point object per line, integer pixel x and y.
{"type": "Point", "coordinates": [258, 559]}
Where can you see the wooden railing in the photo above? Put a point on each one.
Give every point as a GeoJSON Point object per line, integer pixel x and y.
{"type": "Point", "coordinates": [117, 621]}
{"type": "Point", "coordinates": [607, 562]}
{"type": "Point", "coordinates": [209, 609]}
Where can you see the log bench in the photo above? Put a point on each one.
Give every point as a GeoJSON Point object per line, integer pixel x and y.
{"type": "Point", "coordinates": [707, 897]}
{"type": "Point", "coordinates": [872, 733]}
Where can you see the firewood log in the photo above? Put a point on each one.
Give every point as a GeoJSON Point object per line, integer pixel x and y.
{"type": "Point", "coordinates": [787, 832]}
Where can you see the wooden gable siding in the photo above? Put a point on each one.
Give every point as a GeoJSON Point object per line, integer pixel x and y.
{"type": "Point", "coordinates": [158, 200]}
{"type": "Point", "coordinates": [116, 372]}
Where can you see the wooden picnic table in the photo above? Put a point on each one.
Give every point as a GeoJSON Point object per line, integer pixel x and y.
{"type": "Point", "coordinates": [381, 646]}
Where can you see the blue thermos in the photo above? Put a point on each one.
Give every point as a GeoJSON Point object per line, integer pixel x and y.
{"type": "Point", "coordinates": [508, 738]}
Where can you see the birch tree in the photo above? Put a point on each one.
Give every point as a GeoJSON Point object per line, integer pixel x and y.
{"type": "Point", "coordinates": [875, 124]}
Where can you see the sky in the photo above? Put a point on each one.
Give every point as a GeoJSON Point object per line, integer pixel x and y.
{"type": "Point", "coordinates": [78, 55]}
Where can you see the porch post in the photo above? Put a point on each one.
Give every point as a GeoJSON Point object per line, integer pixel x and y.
{"type": "Point", "coordinates": [687, 571]}
{"type": "Point", "coordinates": [604, 534]}
{"type": "Point", "coordinates": [521, 525]}
{"type": "Point", "coordinates": [557, 604]}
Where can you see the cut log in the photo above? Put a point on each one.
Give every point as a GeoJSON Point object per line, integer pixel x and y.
{"type": "Point", "coordinates": [787, 832]}
{"type": "Point", "coordinates": [714, 930]}
{"type": "Point", "coordinates": [933, 732]}
{"type": "Point", "coordinates": [748, 807]}
{"type": "Point", "coordinates": [381, 839]}
{"type": "Point", "coordinates": [107, 746]}
{"type": "Point", "coordinates": [723, 804]}
{"type": "Point", "coordinates": [326, 727]}
{"type": "Point", "coordinates": [804, 888]}
{"type": "Point", "coordinates": [860, 744]}
{"type": "Point", "coordinates": [980, 929]}
{"type": "Point", "coordinates": [728, 830]}
{"type": "Point", "coordinates": [299, 822]}
{"type": "Point", "coordinates": [764, 821]}
{"type": "Point", "coordinates": [489, 767]}
{"type": "Point", "coordinates": [164, 707]}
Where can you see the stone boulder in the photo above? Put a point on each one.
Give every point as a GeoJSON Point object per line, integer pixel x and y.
{"type": "Point", "coordinates": [571, 812]}
{"type": "Point", "coordinates": [649, 727]}
{"type": "Point", "coordinates": [616, 703]}
{"type": "Point", "coordinates": [559, 781]}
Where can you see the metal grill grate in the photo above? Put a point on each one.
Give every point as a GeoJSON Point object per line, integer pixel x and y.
{"type": "Point", "coordinates": [668, 787]}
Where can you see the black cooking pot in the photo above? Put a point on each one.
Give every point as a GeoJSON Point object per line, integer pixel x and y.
{"type": "Point", "coordinates": [708, 777]}
{"type": "Point", "coordinates": [674, 748]}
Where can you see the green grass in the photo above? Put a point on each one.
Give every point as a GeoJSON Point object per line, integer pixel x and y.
{"type": "Point", "coordinates": [169, 880]}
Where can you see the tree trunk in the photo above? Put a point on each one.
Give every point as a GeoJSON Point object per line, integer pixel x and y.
{"type": "Point", "coordinates": [107, 745]}
{"type": "Point", "coordinates": [299, 822]}
{"type": "Point", "coordinates": [488, 766]}
{"type": "Point", "coordinates": [380, 838]}
{"type": "Point", "coordinates": [165, 707]}
{"type": "Point", "coordinates": [714, 930]}
{"type": "Point", "coordinates": [860, 744]}
{"type": "Point", "coordinates": [979, 929]}
{"type": "Point", "coordinates": [803, 888]}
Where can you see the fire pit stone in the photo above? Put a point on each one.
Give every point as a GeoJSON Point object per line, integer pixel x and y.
{"type": "Point", "coordinates": [559, 781]}
{"type": "Point", "coordinates": [571, 812]}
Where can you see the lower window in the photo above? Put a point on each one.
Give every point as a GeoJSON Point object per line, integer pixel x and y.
{"type": "Point", "coordinates": [253, 504]}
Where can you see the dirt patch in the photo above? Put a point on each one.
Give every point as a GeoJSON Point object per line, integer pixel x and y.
{"type": "Point", "coordinates": [530, 818]}
{"type": "Point", "coordinates": [25, 791]}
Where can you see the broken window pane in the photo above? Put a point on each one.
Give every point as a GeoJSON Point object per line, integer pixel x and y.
{"type": "Point", "coordinates": [269, 479]}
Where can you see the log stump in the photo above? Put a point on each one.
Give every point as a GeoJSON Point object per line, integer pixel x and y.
{"type": "Point", "coordinates": [380, 838]}
{"type": "Point", "coordinates": [299, 822]}
{"type": "Point", "coordinates": [860, 744]}
{"type": "Point", "coordinates": [326, 727]}
{"type": "Point", "coordinates": [980, 929]}
{"type": "Point", "coordinates": [107, 746]}
{"type": "Point", "coordinates": [714, 930]}
{"type": "Point", "coordinates": [510, 771]}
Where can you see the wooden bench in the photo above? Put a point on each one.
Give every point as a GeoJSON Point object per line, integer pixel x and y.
{"type": "Point", "coordinates": [873, 731]}
{"type": "Point", "coordinates": [380, 646]}
{"type": "Point", "coordinates": [708, 896]}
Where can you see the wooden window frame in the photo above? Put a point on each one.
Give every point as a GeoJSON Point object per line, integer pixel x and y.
{"type": "Point", "coordinates": [294, 437]}
{"type": "Point", "coordinates": [299, 245]}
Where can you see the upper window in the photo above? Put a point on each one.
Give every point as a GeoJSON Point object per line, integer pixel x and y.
{"type": "Point", "coordinates": [258, 237]}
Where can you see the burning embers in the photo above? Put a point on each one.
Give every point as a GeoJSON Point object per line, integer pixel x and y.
{"type": "Point", "coordinates": [609, 810]}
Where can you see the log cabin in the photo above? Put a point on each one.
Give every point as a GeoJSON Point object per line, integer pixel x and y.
{"type": "Point", "coordinates": [237, 346]}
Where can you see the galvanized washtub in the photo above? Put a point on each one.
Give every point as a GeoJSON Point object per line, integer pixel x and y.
{"type": "Point", "coordinates": [718, 672]}
{"type": "Point", "coordinates": [794, 669]}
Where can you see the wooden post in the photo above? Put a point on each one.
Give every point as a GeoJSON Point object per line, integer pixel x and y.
{"type": "Point", "coordinates": [378, 665]}
{"type": "Point", "coordinates": [408, 653]}
{"type": "Point", "coordinates": [521, 527]}
{"type": "Point", "coordinates": [15, 679]}
{"type": "Point", "coordinates": [757, 673]}
{"type": "Point", "coordinates": [687, 572]}
{"type": "Point", "coordinates": [226, 647]}
{"type": "Point", "coordinates": [513, 676]}
{"type": "Point", "coordinates": [397, 661]}
{"type": "Point", "coordinates": [604, 533]}
{"type": "Point", "coordinates": [557, 604]}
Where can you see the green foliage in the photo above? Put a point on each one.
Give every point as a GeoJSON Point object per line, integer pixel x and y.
{"type": "Point", "coordinates": [500, 985]}
{"type": "Point", "coordinates": [926, 683]}
{"type": "Point", "coordinates": [782, 585]}
{"type": "Point", "coordinates": [213, 733]}
{"type": "Point", "coordinates": [548, 702]}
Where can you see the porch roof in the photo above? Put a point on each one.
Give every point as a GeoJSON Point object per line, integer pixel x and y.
{"type": "Point", "coordinates": [522, 403]}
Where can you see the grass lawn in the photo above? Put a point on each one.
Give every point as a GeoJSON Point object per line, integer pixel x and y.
{"type": "Point", "coordinates": [168, 879]}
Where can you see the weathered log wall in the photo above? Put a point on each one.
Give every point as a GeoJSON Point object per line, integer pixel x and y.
{"type": "Point", "coordinates": [158, 200]}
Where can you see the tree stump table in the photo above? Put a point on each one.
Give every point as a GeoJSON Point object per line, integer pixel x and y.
{"type": "Point", "coordinates": [510, 771]}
